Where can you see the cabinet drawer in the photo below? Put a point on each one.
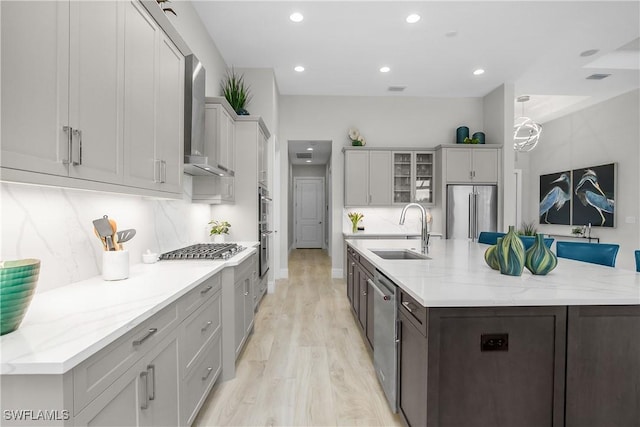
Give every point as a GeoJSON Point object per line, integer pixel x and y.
{"type": "Point", "coordinates": [414, 311]}
{"type": "Point", "coordinates": [95, 374]}
{"type": "Point", "coordinates": [196, 386]}
{"type": "Point", "coordinates": [198, 329]}
{"type": "Point", "coordinates": [194, 299]}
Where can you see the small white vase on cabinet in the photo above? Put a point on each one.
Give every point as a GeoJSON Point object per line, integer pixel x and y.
{"type": "Point", "coordinates": [217, 238]}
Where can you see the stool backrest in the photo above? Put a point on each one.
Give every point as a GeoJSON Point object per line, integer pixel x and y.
{"type": "Point", "coordinates": [489, 237]}
{"type": "Point", "coordinates": [595, 253]}
{"type": "Point", "coordinates": [637, 260]}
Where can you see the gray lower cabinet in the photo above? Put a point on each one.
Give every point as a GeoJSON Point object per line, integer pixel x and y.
{"type": "Point", "coordinates": [603, 366]}
{"type": "Point", "coordinates": [359, 293]}
{"type": "Point", "coordinates": [477, 366]}
{"type": "Point", "coordinates": [146, 395]}
{"type": "Point", "coordinates": [245, 280]}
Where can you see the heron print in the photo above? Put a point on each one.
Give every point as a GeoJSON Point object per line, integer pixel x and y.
{"type": "Point", "coordinates": [594, 192]}
{"type": "Point", "coordinates": [555, 195]}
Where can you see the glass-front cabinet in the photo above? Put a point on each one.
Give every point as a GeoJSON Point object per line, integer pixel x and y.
{"type": "Point", "coordinates": [413, 177]}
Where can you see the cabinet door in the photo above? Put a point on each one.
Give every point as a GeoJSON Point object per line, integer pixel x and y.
{"type": "Point", "coordinates": [170, 113]}
{"type": "Point", "coordinates": [96, 90]}
{"type": "Point", "coordinates": [140, 59]}
{"type": "Point", "coordinates": [459, 165]}
{"type": "Point", "coordinates": [362, 296]}
{"type": "Point", "coordinates": [161, 386]}
{"type": "Point", "coordinates": [380, 178]}
{"type": "Point", "coordinates": [402, 177]}
{"type": "Point", "coordinates": [263, 167]}
{"type": "Point", "coordinates": [423, 184]}
{"type": "Point", "coordinates": [35, 85]}
{"type": "Point", "coordinates": [412, 373]}
{"type": "Point", "coordinates": [485, 166]}
{"type": "Point", "coordinates": [370, 312]}
{"type": "Point", "coordinates": [226, 139]}
{"type": "Point", "coordinates": [238, 301]}
{"type": "Point", "coordinates": [248, 305]}
{"type": "Point", "coordinates": [351, 277]}
{"type": "Point", "coordinates": [356, 171]}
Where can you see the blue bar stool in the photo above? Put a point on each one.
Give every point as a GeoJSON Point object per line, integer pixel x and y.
{"type": "Point", "coordinates": [637, 260]}
{"type": "Point", "coordinates": [595, 253]}
{"type": "Point", "coordinates": [528, 241]}
{"type": "Point", "coordinates": [489, 237]}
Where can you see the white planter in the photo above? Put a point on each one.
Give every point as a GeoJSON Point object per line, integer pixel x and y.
{"type": "Point", "coordinates": [217, 238]}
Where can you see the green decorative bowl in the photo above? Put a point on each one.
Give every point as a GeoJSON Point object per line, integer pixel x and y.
{"type": "Point", "coordinates": [18, 281]}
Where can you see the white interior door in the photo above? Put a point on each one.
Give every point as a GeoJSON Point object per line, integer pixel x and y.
{"type": "Point", "coordinates": [309, 212]}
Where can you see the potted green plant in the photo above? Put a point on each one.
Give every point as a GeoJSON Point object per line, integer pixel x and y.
{"type": "Point", "coordinates": [218, 230]}
{"type": "Point", "coordinates": [528, 229]}
{"type": "Point", "coordinates": [236, 92]}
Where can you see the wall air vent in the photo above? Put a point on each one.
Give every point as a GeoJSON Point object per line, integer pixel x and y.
{"type": "Point", "coordinates": [598, 76]}
{"type": "Point", "coordinates": [303, 155]}
{"type": "Point", "coordinates": [396, 88]}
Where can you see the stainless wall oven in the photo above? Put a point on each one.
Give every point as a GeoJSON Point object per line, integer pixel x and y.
{"type": "Point", "coordinates": [264, 234]}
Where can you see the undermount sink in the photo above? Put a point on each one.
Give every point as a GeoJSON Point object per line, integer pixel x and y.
{"type": "Point", "coordinates": [398, 254]}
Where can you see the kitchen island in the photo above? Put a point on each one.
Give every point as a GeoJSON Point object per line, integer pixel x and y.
{"type": "Point", "coordinates": [480, 348]}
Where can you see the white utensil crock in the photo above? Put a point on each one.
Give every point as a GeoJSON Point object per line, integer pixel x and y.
{"type": "Point", "coordinates": [115, 265]}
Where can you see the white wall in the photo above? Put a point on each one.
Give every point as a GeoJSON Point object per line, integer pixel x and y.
{"type": "Point", "coordinates": [383, 121]}
{"type": "Point", "coordinates": [604, 133]}
{"type": "Point", "coordinates": [308, 171]}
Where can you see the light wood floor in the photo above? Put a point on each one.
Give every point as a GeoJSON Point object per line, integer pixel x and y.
{"type": "Point", "coordinates": [305, 363]}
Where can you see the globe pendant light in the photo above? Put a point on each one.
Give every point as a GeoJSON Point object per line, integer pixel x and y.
{"type": "Point", "coordinates": [526, 132]}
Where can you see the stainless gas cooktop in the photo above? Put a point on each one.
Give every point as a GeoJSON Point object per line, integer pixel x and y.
{"type": "Point", "coordinates": [205, 251]}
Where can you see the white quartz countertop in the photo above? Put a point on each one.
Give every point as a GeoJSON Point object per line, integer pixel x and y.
{"type": "Point", "coordinates": [457, 276]}
{"type": "Point", "coordinates": [67, 325]}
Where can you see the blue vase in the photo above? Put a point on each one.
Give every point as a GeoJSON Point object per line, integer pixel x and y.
{"type": "Point", "coordinates": [461, 133]}
{"type": "Point", "coordinates": [511, 253]}
{"type": "Point", "coordinates": [479, 136]}
{"type": "Point", "coordinates": [539, 259]}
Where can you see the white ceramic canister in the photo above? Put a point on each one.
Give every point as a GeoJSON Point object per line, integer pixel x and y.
{"type": "Point", "coordinates": [115, 265]}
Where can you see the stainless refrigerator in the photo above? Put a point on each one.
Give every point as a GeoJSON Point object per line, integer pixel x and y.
{"type": "Point", "coordinates": [470, 210]}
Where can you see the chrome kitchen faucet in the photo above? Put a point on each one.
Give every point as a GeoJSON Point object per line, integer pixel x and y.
{"type": "Point", "coordinates": [423, 217]}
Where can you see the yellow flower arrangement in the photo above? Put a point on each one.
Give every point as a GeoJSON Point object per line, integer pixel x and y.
{"type": "Point", "coordinates": [355, 218]}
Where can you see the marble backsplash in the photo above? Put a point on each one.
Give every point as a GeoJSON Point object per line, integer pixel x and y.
{"type": "Point", "coordinates": [386, 220]}
{"type": "Point", "coordinates": [55, 226]}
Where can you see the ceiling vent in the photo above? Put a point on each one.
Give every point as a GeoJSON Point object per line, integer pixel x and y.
{"type": "Point", "coordinates": [396, 88]}
{"type": "Point", "coordinates": [598, 76]}
{"type": "Point", "coordinates": [303, 155]}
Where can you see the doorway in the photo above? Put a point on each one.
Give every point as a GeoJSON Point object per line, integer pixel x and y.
{"type": "Point", "coordinates": [309, 207]}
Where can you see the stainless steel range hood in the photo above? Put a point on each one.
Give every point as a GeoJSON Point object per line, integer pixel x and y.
{"type": "Point", "coordinates": [197, 161]}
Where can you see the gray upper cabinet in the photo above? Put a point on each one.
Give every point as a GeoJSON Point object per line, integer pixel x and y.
{"type": "Point", "coordinates": [413, 177]}
{"type": "Point", "coordinates": [478, 164]}
{"type": "Point", "coordinates": [60, 89]}
{"type": "Point", "coordinates": [367, 178]}
{"type": "Point", "coordinates": [93, 99]}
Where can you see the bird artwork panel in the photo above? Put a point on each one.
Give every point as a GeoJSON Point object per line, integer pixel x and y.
{"type": "Point", "coordinates": [593, 196]}
{"type": "Point", "coordinates": [555, 198]}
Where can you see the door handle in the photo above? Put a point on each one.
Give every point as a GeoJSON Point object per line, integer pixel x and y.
{"type": "Point", "coordinates": [144, 377]}
{"type": "Point", "coordinates": [152, 369]}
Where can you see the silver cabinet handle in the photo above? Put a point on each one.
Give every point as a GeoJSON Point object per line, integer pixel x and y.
{"type": "Point", "coordinates": [156, 171]}
{"type": "Point", "coordinates": [205, 290]}
{"type": "Point", "coordinates": [408, 305]}
{"type": "Point", "coordinates": [144, 377]}
{"type": "Point", "coordinates": [68, 130]}
{"type": "Point", "coordinates": [150, 332]}
{"type": "Point", "coordinates": [78, 133]}
{"type": "Point", "coordinates": [206, 375]}
{"type": "Point", "coordinates": [379, 291]}
{"type": "Point", "coordinates": [152, 375]}
{"type": "Point", "coordinates": [206, 326]}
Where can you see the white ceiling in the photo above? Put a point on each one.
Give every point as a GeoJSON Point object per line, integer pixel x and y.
{"type": "Point", "coordinates": [342, 44]}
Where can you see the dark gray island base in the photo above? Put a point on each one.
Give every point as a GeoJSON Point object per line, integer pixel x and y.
{"type": "Point", "coordinates": [510, 366]}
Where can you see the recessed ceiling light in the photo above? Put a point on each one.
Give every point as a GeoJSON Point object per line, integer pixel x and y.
{"type": "Point", "coordinates": [308, 161]}
{"type": "Point", "coordinates": [413, 18]}
{"type": "Point", "coordinates": [299, 68]}
{"type": "Point", "coordinates": [589, 52]}
{"type": "Point", "coordinates": [309, 148]}
{"type": "Point", "coordinates": [385, 69]}
{"type": "Point", "coordinates": [478, 72]}
{"type": "Point", "coordinates": [296, 17]}
{"type": "Point", "coordinates": [451, 33]}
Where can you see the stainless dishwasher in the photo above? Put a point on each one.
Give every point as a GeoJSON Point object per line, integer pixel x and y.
{"type": "Point", "coordinates": [384, 336]}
